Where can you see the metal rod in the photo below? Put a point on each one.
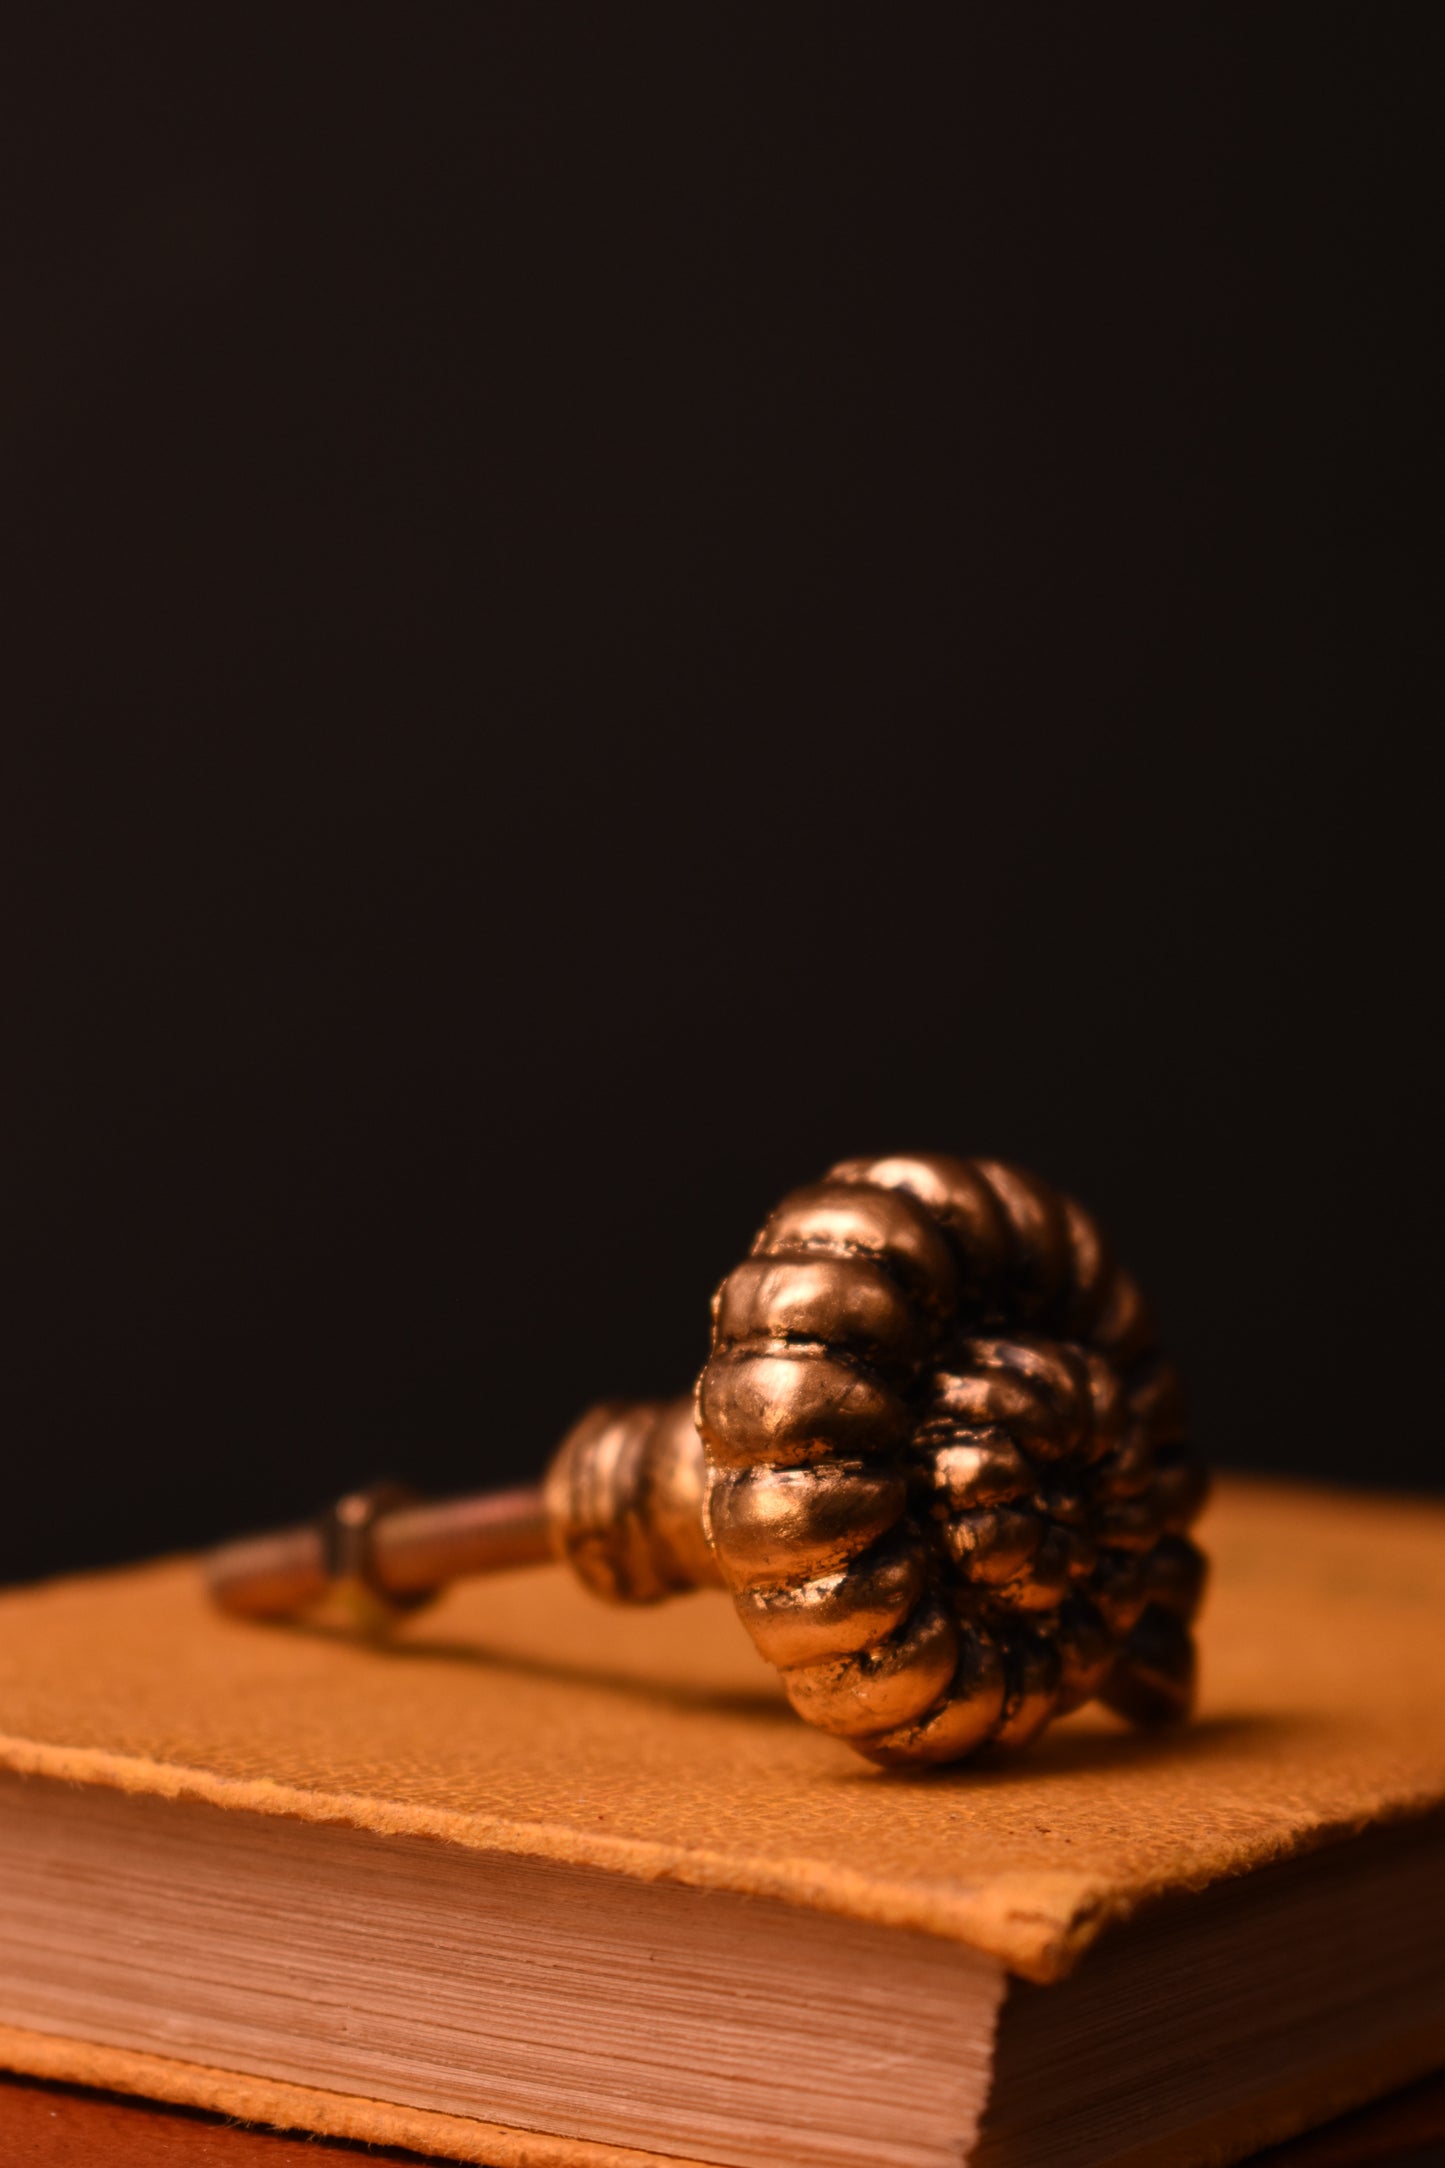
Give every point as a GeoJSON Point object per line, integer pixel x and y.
{"type": "Point", "coordinates": [411, 1549]}
{"type": "Point", "coordinates": [418, 1547]}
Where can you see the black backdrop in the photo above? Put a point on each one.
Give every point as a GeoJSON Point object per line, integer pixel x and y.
{"type": "Point", "coordinates": [611, 603]}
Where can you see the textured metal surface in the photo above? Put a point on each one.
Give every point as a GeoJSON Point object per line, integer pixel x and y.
{"type": "Point", "coordinates": [950, 1485]}
{"type": "Point", "coordinates": [625, 1498]}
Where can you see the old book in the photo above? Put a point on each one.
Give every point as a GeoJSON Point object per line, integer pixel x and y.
{"type": "Point", "coordinates": [548, 1883]}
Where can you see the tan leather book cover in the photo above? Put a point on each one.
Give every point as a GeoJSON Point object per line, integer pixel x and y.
{"type": "Point", "coordinates": [521, 1714]}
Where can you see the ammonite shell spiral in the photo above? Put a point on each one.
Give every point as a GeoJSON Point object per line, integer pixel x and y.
{"type": "Point", "coordinates": [949, 1486]}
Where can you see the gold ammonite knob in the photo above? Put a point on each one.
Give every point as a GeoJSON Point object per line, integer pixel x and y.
{"type": "Point", "coordinates": [935, 1455]}
{"type": "Point", "coordinates": [949, 1486]}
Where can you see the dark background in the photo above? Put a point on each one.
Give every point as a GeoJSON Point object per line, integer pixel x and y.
{"type": "Point", "coordinates": [609, 604]}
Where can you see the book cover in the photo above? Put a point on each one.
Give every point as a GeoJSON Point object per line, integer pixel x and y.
{"type": "Point", "coordinates": [518, 1716]}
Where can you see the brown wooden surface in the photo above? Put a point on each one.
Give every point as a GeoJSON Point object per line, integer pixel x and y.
{"type": "Point", "coordinates": [59, 2126]}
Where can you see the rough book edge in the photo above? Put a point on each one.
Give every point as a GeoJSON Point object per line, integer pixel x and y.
{"type": "Point", "coordinates": [1223, 2139]}
{"type": "Point", "coordinates": [282, 2106]}
{"type": "Point", "coordinates": [1037, 1925]}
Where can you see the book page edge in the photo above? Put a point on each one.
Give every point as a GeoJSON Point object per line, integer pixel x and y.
{"type": "Point", "coordinates": [280, 2105]}
{"type": "Point", "coordinates": [1036, 1929]}
{"type": "Point", "coordinates": [1037, 1925]}
{"type": "Point", "coordinates": [1304, 2103]}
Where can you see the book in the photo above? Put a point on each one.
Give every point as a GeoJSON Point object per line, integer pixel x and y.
{"type": "Point", "coordinates": [546, 1884]}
